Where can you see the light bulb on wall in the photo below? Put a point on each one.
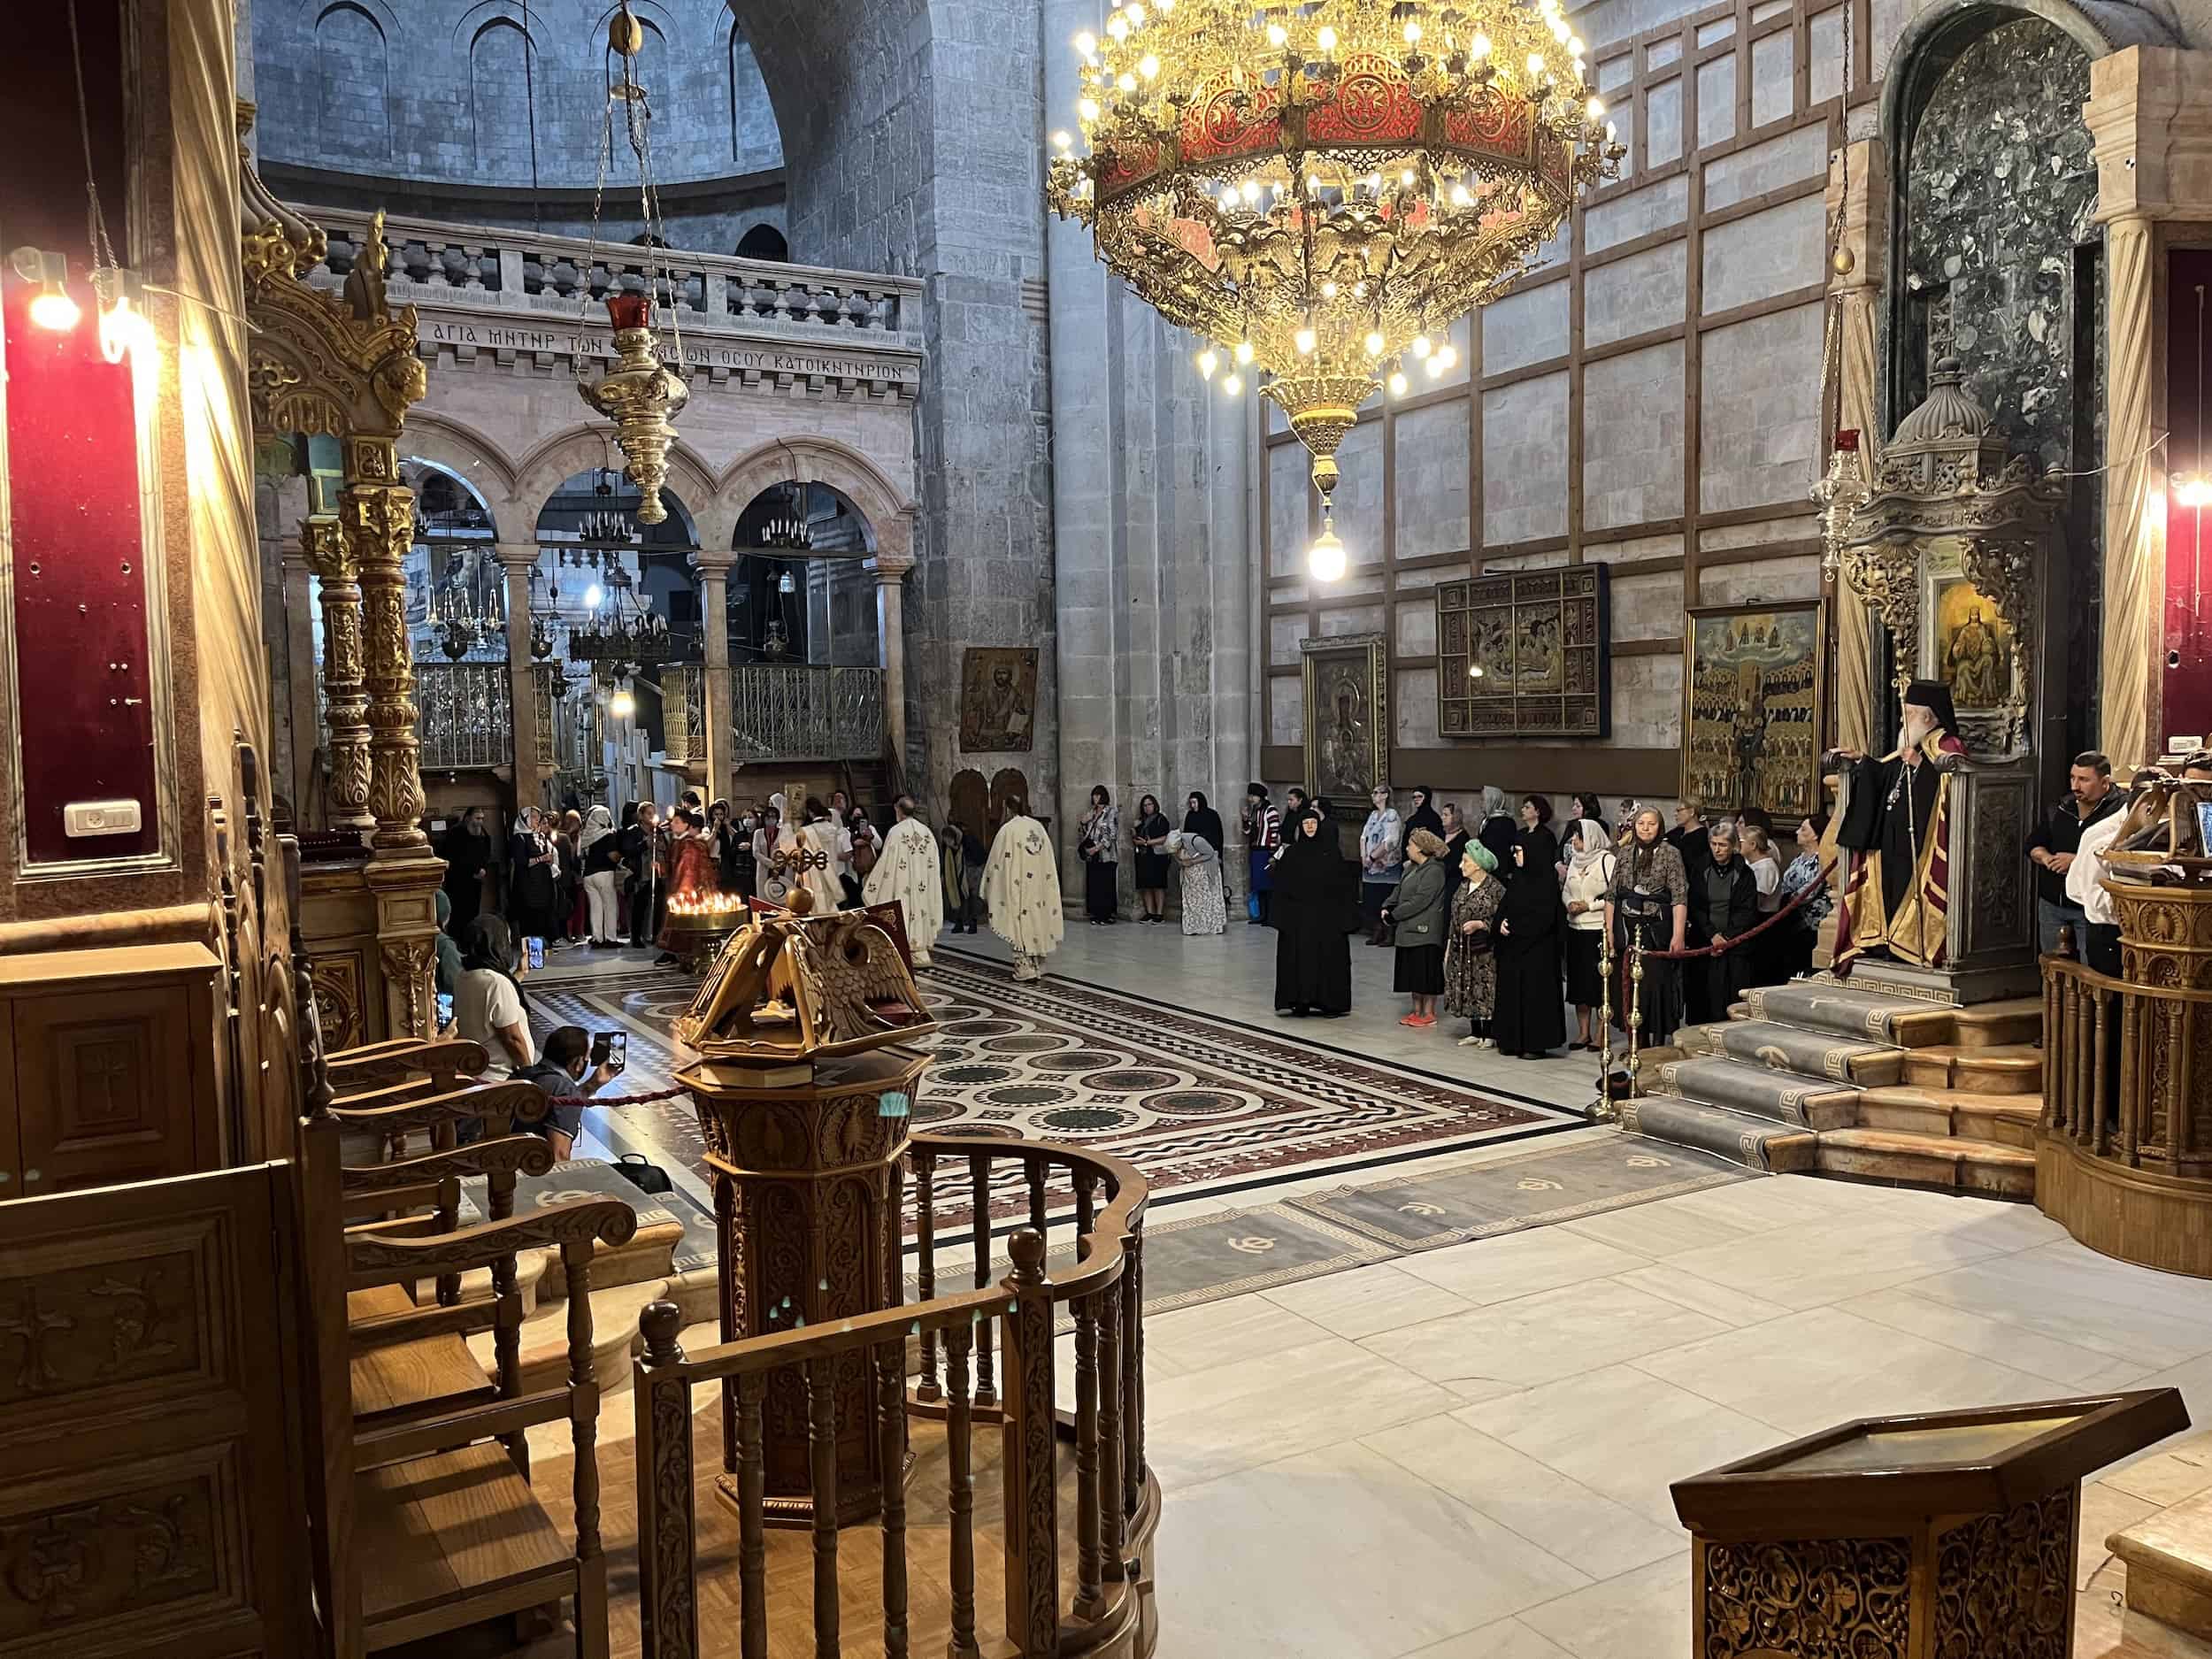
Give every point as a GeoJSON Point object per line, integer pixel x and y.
{"type": "Point", "coordinates": [51, 307]}
{"type": "Point", "coordinates": [2192, 489]}
{"type": "Point", "coordinates": [1326, 558]}
{"type": "Point", "coordinates": [622, 705]}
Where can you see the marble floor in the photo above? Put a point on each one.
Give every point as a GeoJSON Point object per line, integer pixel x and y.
{"type": "Point", "coordinates": [1466, 1454]}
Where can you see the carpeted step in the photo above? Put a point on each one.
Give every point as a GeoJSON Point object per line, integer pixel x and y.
{"type": "Point", "coordinates": [1824, 1005]}
{"type": "Point", "coordinates": [1918, 1159]}
{"type": "Point", "coordinates": [2000, 1120]}
{"type": "Point", "coordinates": [1993, 1069]}
{"type": "Point", "coordinates": [1811, 1054]}
{"type": "Point", "coordinates": [1756, 1143]}
{"type": "Point", "coordinates": [1755, 1091]}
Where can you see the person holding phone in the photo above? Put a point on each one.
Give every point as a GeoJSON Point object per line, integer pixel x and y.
{"type": "Point", "coordinates": [573, 1065]}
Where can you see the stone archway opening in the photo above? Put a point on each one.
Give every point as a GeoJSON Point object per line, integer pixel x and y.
{"type": "Point", "coordinates": [801, 590]}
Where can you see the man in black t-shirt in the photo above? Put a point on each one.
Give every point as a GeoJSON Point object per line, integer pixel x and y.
{"type": "Point", "coordinates": [2090, 798]}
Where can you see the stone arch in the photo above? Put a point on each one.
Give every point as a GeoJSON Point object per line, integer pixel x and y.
{"type": "Point", "coordinates": [811, 460]}
{"type": "Point", "coordinates": [764, 242]}
{"type": "Point", "coordinates": [353, 82]}
{"type": "Point", "coordinates": [466, 453]}
{"type": "Point", "coordinates": [1933, 40]}
{"type": "Point", "coordinates": [501, 52]}
{"type": "Point", "coordinates": [580, 448]}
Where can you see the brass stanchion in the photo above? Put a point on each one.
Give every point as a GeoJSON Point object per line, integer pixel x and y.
{"type": "Point", "coordinates": [1635, 1016]}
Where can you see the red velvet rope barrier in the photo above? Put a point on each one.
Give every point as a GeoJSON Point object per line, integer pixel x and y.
{"type": "Point", "coordinates": [1790, 907]}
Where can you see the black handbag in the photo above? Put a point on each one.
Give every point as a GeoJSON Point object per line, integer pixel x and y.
{"type": "Point", "coordinates": [642, 1173]}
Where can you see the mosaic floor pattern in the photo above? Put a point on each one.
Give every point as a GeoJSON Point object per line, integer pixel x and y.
{"type": "Point", "coordinates": [1199, 1105]}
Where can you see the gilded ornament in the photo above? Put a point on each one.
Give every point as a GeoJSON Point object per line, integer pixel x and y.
{"type": "Point", "coordinates": [1320, 190]}
{"type": "Point", "coordinates": [641, 396]}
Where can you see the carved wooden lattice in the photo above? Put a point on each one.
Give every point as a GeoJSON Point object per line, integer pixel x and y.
{"type": "Point", "coordinates": [1538, 639]}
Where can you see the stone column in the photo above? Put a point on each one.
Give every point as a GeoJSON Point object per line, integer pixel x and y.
{"type": "Point", "coordinates": [891, 569]}
{"type": "Point", "coordinates": [1858, 183]}
{"type": "Point", "coordinates": [711, 723]}
{"type": "Point", "coordinates": [2150, 114]}
{"type": "Point", "coordinates": [328, 552]}
{"type": "Point", "coordinates": [515, 562]}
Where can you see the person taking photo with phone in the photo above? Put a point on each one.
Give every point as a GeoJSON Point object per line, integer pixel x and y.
{"type": "Point", "coordinates": [573, 1065]}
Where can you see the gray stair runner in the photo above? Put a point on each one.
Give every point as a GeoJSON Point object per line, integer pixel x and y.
{"type": "Point", "coordinates": [1759, 1088]}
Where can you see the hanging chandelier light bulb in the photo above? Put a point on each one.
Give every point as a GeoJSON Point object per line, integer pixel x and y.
{"type": "Point", "coordinates": [1325, 559]}
{"type": "Point", "coordinates": [639, 395]}
{"type": "Point", "coordinates": [1315, 188]}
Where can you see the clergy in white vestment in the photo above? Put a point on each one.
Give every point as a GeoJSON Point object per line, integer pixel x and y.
{"type": "Point", "coordinates": [906, 870]}
{"type": "Point", "coordinates": [1021, 884]}
{"type": "Point", "coordinates": [823, 846]}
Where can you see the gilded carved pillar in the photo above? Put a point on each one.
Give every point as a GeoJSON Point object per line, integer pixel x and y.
{"type": "Point", "coordinates": [1858, 183]}
{"type": "Point", "coordinates": [329, 553]}
{"type": "Point", "coordinates": [516, 564]}
{"type": "Point", "coordinates": [378, 513]}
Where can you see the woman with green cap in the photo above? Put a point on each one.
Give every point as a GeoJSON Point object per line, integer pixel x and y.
{"type": "Point", "coordinates": [1470, 962]}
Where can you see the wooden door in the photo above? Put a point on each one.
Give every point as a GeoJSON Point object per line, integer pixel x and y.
{"type": "Point", "coordinates": [98, 1095]}
{"type": "Point", "coordinates": [147, 1490]}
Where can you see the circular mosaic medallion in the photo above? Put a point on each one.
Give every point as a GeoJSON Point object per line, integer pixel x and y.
{"type": "Point", "coordinates": [979, 1027]}
{"type": "Point", "coordinates": [954, 1011]}
{"type": "Point", "coordinates": [1029, 1042]}
{"type": "Point", "coordinates": [1129, 1080]}
{"type": "Point", "coordinates": [1086, 1120]}
{"type": "Point", "coordinates": [1194, 1102]}
{"type": "Point", "coordinates": [1075, 1060]}
{"type": "Point", "coordinates": [932, 1111]}
{"type": "Point", "coordinates": [968, 1075]}
{"type": "Point", "coordinates": [1026, 1094]}
{"type": "Point", "coordinates": [983, 1131]}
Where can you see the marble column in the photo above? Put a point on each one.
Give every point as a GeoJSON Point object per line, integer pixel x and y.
{"type": "Point", "coordinates": [891, 569]}
{"type": "Point", "coordinates": [516, 564]}
{"type": "Point", "coordinates": [1858, 186]}
{"type": "Point", "coordinates": [711, 723]}
{"type": "Point", "coordinates": [328, 552]}
{"type": "Point", "coordinates": [2150, 114]}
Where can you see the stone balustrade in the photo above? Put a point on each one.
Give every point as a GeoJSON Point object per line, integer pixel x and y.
{"type": "Point", "coordinates": [550, 287]}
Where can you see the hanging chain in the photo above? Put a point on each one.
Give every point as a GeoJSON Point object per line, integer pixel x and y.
{"type": "Point", "coordinates": [96, 226]}
{"type": "Point", "coordinates": [591, 245]}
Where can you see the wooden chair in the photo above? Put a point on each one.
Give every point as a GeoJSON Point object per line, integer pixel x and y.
{"type": "Point", "coordinates": [445, 1529]}
{"type": "Point", "coordinates": [395, 1379]}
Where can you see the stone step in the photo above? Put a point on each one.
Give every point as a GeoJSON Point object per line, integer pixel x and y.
{"type": "Point", "coordinates": [1928, 1160]}
{"type": "Point", "coordinates": [2000, 1119]}
{"type": "Point", "coordinates": [1824, 1005]}
{"type": "Point", "coordinates": [2169, 1558]}
{"type": "Point", "coordinates": [1756, 1143]}
{"type": "Point", "coordinates": [1757, 1091]}
{"type": "Point", "coordinates": [2017, 1022]}
{"type": "Point", "coordinates": [1990, 1069]}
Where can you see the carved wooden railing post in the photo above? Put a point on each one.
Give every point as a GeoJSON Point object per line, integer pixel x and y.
{"type": "Point", "coordinates": [1112, 1517]}
{"type": "Point", "coordinates": [1089, 1601]}
{"type": "Point", "coordinates": [1132, 1365]}
{"type": "Point", "coordinates": [821, 1429]}
{"type": "Point", "coordinates": [329, 554]}
{"type": "Point", "coordinates": [891, 1424]}
{"type": "Point", "coordinates": [668, 1614]}
{"type": "Point", "coordinates": [752, 1543]}
{"type": "Point", "coordinates": [928, 1391]}
{"type": "Point", "coordinates": [960, 1504]}
{"type": "Point", "coordinates": [1031, 1510]}
{"type": "Point", "coordinates": [980, 1173]}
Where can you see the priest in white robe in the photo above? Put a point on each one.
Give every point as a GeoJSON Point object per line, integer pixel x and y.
{"type": "Point", "coordinates": [1021, 884]}
{"type": "Point", "coordinates": [906, 871]}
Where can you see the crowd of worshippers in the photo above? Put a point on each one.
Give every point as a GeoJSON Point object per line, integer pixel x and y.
{"type": "Point", "coordinates": [1499, 916]}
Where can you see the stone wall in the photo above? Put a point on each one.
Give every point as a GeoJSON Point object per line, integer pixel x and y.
{"type": "Point", "coordinates": [914, 139]}
{"type": "Point", "coordinates": [436, 91]}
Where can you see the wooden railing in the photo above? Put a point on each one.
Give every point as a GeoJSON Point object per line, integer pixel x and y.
{"type": "Point", "coordinates": [2108, 1044]}
{"type": "Point", "coordinates": [1101, 1292]}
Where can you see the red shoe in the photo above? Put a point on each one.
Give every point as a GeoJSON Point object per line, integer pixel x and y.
{"type": "Point", "coordinates": [1411, 1019]}
{"type": "Point", "coordinates": [1421, 1020]}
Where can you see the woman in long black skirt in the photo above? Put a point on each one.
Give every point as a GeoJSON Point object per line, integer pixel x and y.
{"type": "Point", "coordinates": [1531, 1017]}
{"type": "Point", "coordinates": [1316, 898]}
{"type": "Point", "coordinates": [1100, 844]}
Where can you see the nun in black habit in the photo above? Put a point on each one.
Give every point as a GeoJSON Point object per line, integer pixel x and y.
{"type": "Point", "coordinates": [1316, 900]}
{"type": "Point", "coordinates": [1531, 1019]}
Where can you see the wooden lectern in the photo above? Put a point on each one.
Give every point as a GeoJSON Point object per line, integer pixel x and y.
{"type": "Point", "coordinates": [802, 1088]}
{"type": "Point", "coordinates": [1948, 1535]}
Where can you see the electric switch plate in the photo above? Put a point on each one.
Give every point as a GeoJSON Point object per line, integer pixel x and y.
{"type": "Point", "coordinates": [100, 818]}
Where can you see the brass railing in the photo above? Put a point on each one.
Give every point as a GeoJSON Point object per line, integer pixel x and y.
{"type": "Point", "coordinates": [1103, 1296]}
{"type": "Point", "coordinates": [463, 715]}
{"type": "Point", "coordinates": [796, 713]}
{"type": "Point", "coordinates": [684, 712]}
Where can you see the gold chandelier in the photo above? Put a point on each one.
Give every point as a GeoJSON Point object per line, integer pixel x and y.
{"type": "Point", "coordinates": [1320, 188]}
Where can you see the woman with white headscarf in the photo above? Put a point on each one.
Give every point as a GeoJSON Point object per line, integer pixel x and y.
{"type": "Point", "coordinates": [600, 851]}
{"type": "Point", "coordinates": [1590, 868]}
